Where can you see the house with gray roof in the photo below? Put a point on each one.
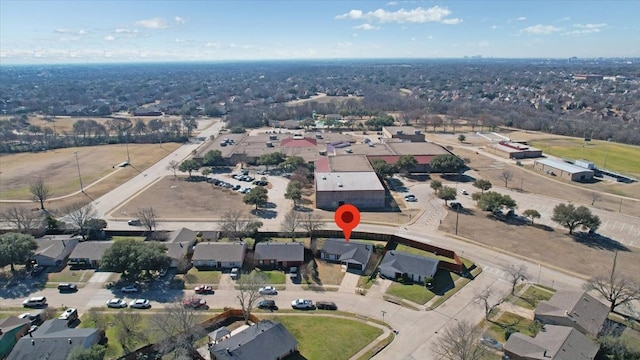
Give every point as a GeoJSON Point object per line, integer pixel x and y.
{"type": "Point", "coordinates": [354, 254]}
{"type": "Point", "coordinates": [266, 340]}
{"type": "Point", "coordinates": [278, 255]}
{"type": "Point", "coordinates": [215, 255]}
{"type": "Point", "coordinates": [179, 247]}
{"type": "Point", "coordinates": [552, 343]}
{"type": "Point", "coordinates": [89, 253]}
{"type": "Point", "coordinates": [53, 250]}
{"type": "Point", "coordinates": [182, 235]}
{"type": "Point", "coordinates": [54, 340]}
{"type": "Point", "coordinates": [577, 309]}
{"type": "Point", "coordinates": [398, 264]}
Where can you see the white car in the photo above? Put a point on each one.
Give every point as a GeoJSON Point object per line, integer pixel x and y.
{"type": "Point", "coordinates": [140, 304]}
{"type": "Point", "coordinates": [411, 198]}
{"type": "Point", "coordinates": [464, 192]}
{"type": "Point", "coordinates": [302, 304]}
{"type": "Point", "coordinates": [129, 289]}
{"type": "Point", "coordinates": [268, 290]}
{"type": "Point", "coordinates": [116, 303]}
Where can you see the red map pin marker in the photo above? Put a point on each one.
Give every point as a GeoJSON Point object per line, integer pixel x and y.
{"type": "Point", "coordinates": [347, 217]}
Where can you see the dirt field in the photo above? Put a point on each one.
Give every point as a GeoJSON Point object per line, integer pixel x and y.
{"type": "Point", "coordinates": [60, 170]}
{"type": "Point", "coordinates": [175, 198]}
{"type": "Point", "coordinates": [551, 246]}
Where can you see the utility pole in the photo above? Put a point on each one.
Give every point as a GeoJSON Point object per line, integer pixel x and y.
{"type": "Point", "coordinates": [383, 312]}
{"type": "Point", "coordinates": [457, 215]}
{"type": "Point", "coordinates": [79, 176]}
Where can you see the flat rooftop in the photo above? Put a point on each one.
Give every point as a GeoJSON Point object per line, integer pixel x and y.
{"type": "Point", "coordinates": [561, 165]}
{"type": "Point", "coordinates": [343, 163]}
{"type": "Point", "coordinates": [512, 147]}
{"type": "Point", "coordinates": [348, 181]}
{"type": "Point", "coordinates": [416, 148]}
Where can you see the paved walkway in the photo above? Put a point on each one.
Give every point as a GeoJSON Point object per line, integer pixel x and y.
{"type": "Point", "coordinates": [378, 288]}
{"type": "Point", "coordinates": [349, 283]}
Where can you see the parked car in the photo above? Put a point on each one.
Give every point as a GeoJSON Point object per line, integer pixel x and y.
{"type": "Point", "coordinates": [204, 289]}
{"type": "Point", "coordinates": [195, 303]}
{"type": "Point", "coordinates": [116, 303]}
{"type": "Point", "coordinates": [267, 304]}
{"type": "Point", "coordinates": [67, 287]}
{"type": "Point", "coordinates": [34, 319]}
{"type": "Point", "coordinates": [455, 205]}
{"type": "Point", "coordinates": [268, 290]}
{"type": "Point", "coordinates": [303, 304]}
{"type": "Point", "coordinates": [140, 304]}
{"type": "Point", "coordinates": [130, 289]}
{"type": "Point", "coordinates": [260, 183]}
{"type": "Point", "coordinates": [37, 270]}
{"type": "Point", "coordinates": [491, 342]}
{"type": "Point", "coordinates": [326, 305]}
{"type": "Point", "coordinates": [236, 187]}
{"type": "Point", "coordinates": [411, 198]}
{"type": "Point", "coordinates": [69, 314]}
{"type": "Point", "coordinates": [35, 302]}
{"type": "Point", "coordinates": [464, 192]}
{"type": "Point", "coordinates": [134, 222]}
{"type": "Point", "coordinates": [235, 274]}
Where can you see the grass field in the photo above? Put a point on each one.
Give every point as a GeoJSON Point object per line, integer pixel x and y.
{"type": "Point", "coordinates": [619, 157]}
{"type": "Point", "coordinates": [274, 277]}
{"type": "Point", "coordinates": [68, 275]}
{"type": "Point", "coordinates": [512, 322]}
{"type": "Point", "coordinates": [413, 292]}
{"type": "Point", "coordinates": [530, 298]}
{"type": "Point", "coordinates": [197, 277]}
{"type": "Point", "coordinates": [328, 338]}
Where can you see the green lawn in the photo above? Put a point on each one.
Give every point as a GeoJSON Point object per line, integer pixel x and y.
{"type": "Point", "coordinates": [530, 298]}
{"type": "Point", "coordinates": [68, 275]}
{"type": "Point", "coordinates": [498, 328]}
{"type": "Point", "coordinates": [328, 338]}
{"type": "Point", "coordinates": [198, 277]}
{"type": "Point", "coordinates": [365, 282]}
{"type": "Point", "coordinates": [412, 292]}
{"type": "Point", "coordinates": [273, 277]}
{"type": "Point", "coordinates": [619, 157]}
{"type": "Point", "coordinates": [136, 238]}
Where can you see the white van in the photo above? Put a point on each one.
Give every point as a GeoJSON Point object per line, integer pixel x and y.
{"type": "Point", "coordinates": [38, 301]}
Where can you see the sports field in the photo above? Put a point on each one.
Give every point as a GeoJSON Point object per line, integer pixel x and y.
{"type": "Point", "coordinates": [618, 157]}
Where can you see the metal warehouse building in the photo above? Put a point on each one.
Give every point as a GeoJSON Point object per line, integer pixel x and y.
{"type": "Point", "coordinates": [564, 170]}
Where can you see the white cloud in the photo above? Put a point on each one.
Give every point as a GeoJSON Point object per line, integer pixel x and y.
{"type": "Point", "coordinates": [155, 23]}
{"type": "Point", "coordinates": [541, 29]}
{"type": "Point", "coordinates": [454, 21]}
{"type": "Point", "coordinates": [566, 18]}
{"type": "Point", "coordinates": [521, 18]}
{"type": "Point", "coordinates": [179, 40]}
{"type": "Point", "coordinates": [392, 3]}
{"type": "Point", "coordinates": [417, 15]}
{"type": "Point", "coordinates": [61, 31]}
{"type": "Point", "coordinates": [82, 32]}
{"type": "Point", "coordinates": [180, 20]}
{"type": "Point", "coordinates": [590, 26]}
{"type": "Point", "coordinates": [213, 45]}
{"type": "Point", "coordinates": [125, 31]}
{"type": "Point", "coordinates": [366, 27]}
{"type": "Point", "coordinates": [494, 27]}
{"type": "Point", "coordinates": [109, 38]}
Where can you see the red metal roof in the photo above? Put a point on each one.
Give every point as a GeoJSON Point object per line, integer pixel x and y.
{"type": "Point", "coordinates": [322, 165]}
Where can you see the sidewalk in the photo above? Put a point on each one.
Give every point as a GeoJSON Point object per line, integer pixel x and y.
{"type": "Point", "coordinates": [349, 283]}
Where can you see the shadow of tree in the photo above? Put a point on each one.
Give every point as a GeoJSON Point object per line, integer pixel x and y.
{"type": "Point", "coordinates": [264, 214]}
{"type": "Point", "coordinates": [598, 241]}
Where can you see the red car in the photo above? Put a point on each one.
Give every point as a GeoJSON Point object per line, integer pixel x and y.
{"type": "Point", "coordinates": [195, 303]}
{"type": "Point", "coordinates": [204, 289]}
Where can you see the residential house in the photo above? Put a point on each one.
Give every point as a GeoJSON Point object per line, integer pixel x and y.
{"type": "Point", "coordinates": [54, 340]}
{"type": "Point", "coordinates": [279, 255]}
{"type": "Point", "coordinates": [218, 255]}
{"type": "Point", "coordinates": [266, 340]}
{"type": "Point", "coordinates": [179, 247]}
{"type": "Point", "coordinates": [53, 250]}
{"type": "Point", "coordinates": [552, 343]}
{"type": "Point", "coordinates": [354, 254]}
{"type": "Point", "coordinates": [12, 328]}
{"type": "Point", "coordinates": [576, 309]}
{"type": "Point", "coordinates": [89, 253]}
{"type": "Point", "coordinates": [398, 264]}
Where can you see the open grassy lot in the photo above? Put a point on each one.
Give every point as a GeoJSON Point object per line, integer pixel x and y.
{"type": "Point", "coordinates": [196, 200]}
{"type": "Point", "coordinates": [508, 322]}
{"type": "Point", "coordinates": [530, 298]}
{"type": "Point", "coordinates": [59, 169]}
{"type": "Point", "coordinates": [68, 275]}
{"type": "Point", "coordinates": [274, 277]}
{"type": "Point", "coordinates": [200, 277]}
{"type": "Point", "coordinates": [413, 292]}
{"type": "Point", "coordinates": [328, 338]}
{"type": "Point", "coordinates": [619, 157]}
{"type": "Point", "coordinates": [445, 284]}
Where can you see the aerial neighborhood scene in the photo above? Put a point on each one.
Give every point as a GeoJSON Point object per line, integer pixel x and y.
{"type": "Point", "coordinates": [319, 180]}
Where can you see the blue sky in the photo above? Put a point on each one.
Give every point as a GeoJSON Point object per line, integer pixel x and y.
{"type": "Point", "coordinates": [79, 31]}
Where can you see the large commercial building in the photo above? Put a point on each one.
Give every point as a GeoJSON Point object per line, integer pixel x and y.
{"type": "Point", "coordinates": [563, 170]}
{"type": "Point", "coordinates": [511, 150]}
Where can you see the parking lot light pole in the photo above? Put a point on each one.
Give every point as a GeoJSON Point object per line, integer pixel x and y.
{"type": "Point", "coordinates": [79, 177]}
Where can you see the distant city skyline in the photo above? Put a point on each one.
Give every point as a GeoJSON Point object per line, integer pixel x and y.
{"type": "Point", "coordinates": [60, 32]}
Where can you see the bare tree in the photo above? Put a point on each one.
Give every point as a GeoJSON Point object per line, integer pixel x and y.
{"type": "Point", "coordinates": [506, 176]}
{"type": "Point", "coordinates": [249, 286]}
{"type": "Point", "coordinates": [40, 191]}
{"type": "Point", "coordinates": [22, 219]}
{"type": "Point", "coordinates": [290, 224]}
{"type": "Point", "coordinates": [516, 274]}
{"type": "Point", "coordinates": [490, 299]}
{"type": "Point", "coordinates": [236, 225]}
{"type": "Point", "coordinates": [147, 218]}
{"type": "Point", "coordinates": [460, 341]}
{"type": "Point", "coordinates": [618, 290]}
{"type": "Point", "coordinates": [79, 214]}
{"type": "Point", "coordinates": [173, 166]}
{"type": "Point", "coordinates": [180, 326]}
{"type": "Point", "coordinates": [312, 222]}
{"type": "Point", "coordinates": [129, 330]}
{"type": "Point", "coordinates": [595, 197]}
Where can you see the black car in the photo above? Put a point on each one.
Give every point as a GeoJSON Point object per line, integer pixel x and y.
{"type": "Point", "coordinates": [37, 270]}
{"type": "Point", "coordinates": [326, 305]}
{"type": "Point", "coordinates": [67, 287]}
{"type": "Point", "coordinates": [267, 304]}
